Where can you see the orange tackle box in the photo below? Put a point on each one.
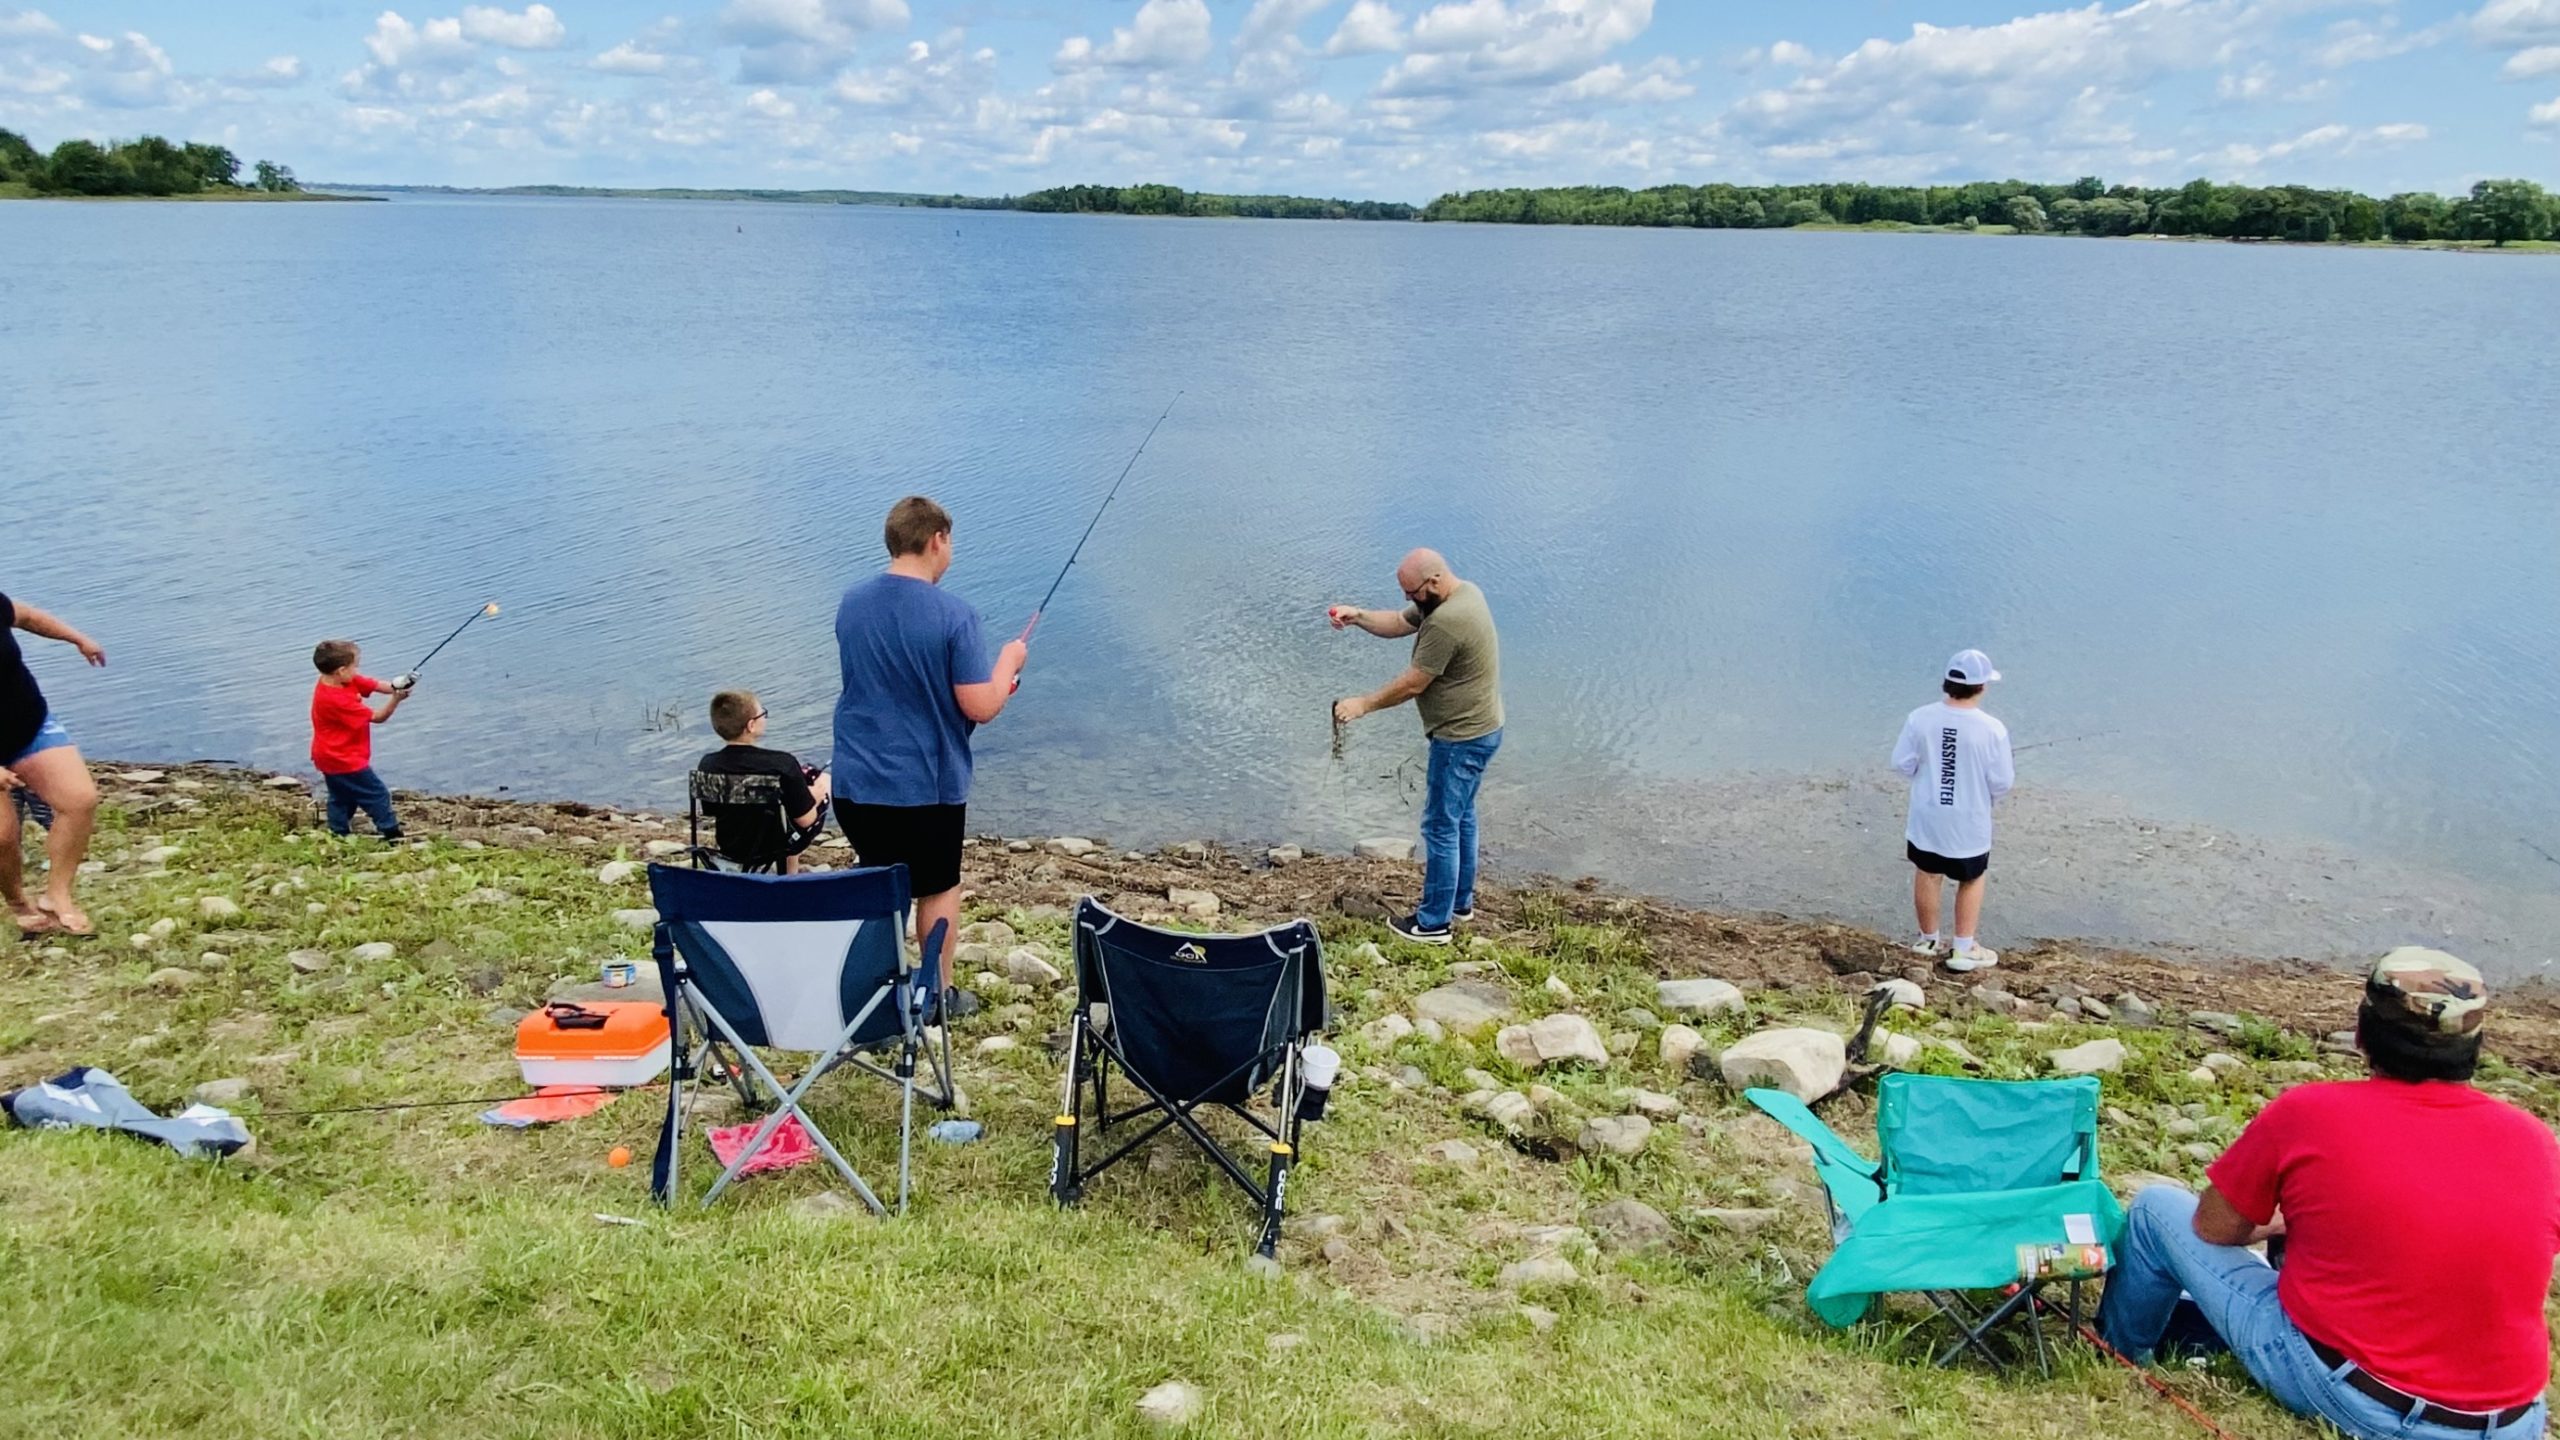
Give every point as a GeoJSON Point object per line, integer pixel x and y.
{"type": "Point", "coordinates": [608, 1043]}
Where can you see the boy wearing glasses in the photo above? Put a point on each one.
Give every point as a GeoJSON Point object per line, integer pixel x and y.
{"type": "Point", "coordinates": [748, 830]}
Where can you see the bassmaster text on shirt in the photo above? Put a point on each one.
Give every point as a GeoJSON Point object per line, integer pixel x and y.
{"type": "Point", "coordinates": [1959, 764]}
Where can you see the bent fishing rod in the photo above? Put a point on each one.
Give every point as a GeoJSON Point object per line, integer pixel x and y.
{"type": "Point", "coordinates": [489, 609]}
{"type": "Point", "coordinates": [1107, 498]}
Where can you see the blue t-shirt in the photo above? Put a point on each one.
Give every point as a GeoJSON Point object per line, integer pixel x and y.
{"type": "Point", "coordinates": [900, 736]}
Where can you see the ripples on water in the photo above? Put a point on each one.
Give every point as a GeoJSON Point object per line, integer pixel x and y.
{"type": "Point", "coordinates": [2284, 518]}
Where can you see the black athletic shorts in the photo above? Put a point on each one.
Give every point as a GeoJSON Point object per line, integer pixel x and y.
{"type": "Point", "coordinates": [1970, 867]}
{"type": "Point", "coordinates": [924, 838]}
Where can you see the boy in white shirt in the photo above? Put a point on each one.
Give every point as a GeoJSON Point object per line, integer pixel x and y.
{"type": "Point", "coordinates": [1958, 759]}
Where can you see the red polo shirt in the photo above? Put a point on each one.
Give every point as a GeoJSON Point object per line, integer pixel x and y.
{"type": "Point", "coordinates": [2421, 1223]}
{"type": "Point", "coordinates": [342, 725]}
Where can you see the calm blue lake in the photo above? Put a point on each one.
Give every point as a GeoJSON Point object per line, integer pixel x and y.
{"type": "Point", "coordinates": [2264, 539]}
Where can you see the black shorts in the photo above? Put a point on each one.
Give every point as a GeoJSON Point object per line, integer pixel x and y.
{"type": "Point", "coordinates": [1970, 867]}
{"type": "Point", "coordinates": [924, 838]}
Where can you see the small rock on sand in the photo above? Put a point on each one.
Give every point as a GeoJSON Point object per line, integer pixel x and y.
{"type": "Point", "coordinates": [1385, 847]}
{"type": "Point", "coordinates": [1284, 855]}
{"type": "Point", "coordinates": [1073, 846]}
{"type": "Point", "coordinates": [1198, 904]}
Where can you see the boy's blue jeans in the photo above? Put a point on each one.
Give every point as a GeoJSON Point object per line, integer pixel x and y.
{"type": "Point", "coordinates": [2161, 1254]}
{"type": "Point", "coordinates": [1449, 826]}
{"type": "Point", "coordinates": [359, 790]}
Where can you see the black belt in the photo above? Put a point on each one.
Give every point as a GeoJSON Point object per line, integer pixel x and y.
{"type": "Point", "coordinates": [2411, 1407]}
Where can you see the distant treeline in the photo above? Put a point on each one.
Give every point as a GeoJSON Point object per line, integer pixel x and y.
{"type": "Point", "coordinates": [1174, 200]}
{"type": "Point", "coordinates": [2498, 211]}
{"type": "Point", "coordinates": [148, 166]}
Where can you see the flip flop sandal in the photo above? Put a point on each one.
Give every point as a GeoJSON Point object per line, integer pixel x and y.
{"type": "Point", "coordinates": [57, 927]}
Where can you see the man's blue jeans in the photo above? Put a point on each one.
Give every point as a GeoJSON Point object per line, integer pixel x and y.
{"type": "Point", "coordinates": [359, 790]}
{"type": "Point", "coordinates": [2161, 1255]}
{"type": "Point", "coordinates": [1449, 826]}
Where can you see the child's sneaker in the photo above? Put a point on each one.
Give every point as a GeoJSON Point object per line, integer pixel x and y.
{"type": "Point", "coordinates": [1929, 947]}
{"type": "Point", "coordinates": [1977, 958]}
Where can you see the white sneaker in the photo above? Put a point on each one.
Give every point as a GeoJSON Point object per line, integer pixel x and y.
{"type": "Point", "coordinates": [1930, 947]}
{"type": "Point", "coordinates": [1977, 958]}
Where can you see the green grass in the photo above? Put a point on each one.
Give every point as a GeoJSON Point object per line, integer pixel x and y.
{"type": "Point", "coordinates": [416, 1273]}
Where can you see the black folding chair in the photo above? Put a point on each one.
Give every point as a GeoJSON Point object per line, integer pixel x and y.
{"type": "Point", "coordinates": [746, 798]}
{"type": "Point", "coordinates": [1192, 1021]}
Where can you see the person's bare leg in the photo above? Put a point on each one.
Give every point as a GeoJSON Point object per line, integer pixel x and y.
{"type": "Point", "coordinates": [1925, 895]}
{"type": "Point", "coordinates": [61, 778]}
{"type": "Point", "coordinates": [13, 876]}
{"type": "Point", "coordinates": [944, 907]}
{"type": "Point", "coordinates": [1969, 905]}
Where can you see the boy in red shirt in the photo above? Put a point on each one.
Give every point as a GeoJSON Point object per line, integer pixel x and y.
{"type": "Point", "coordinates": [342, 736]}
{"type": "Point", "coordinates": [2421, 1218]}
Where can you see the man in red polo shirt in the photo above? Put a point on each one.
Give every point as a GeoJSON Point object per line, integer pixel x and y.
{"type": "Point", "coordinates": [2421, 1219]}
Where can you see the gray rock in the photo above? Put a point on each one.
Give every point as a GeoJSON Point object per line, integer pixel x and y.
{"type": "Point", "coordinates": [2183, 1128]}
{"type": "Point", "coordinates": [1679, 1044]}
{"type": "Point", "coordinates": [229, 1091]}
{"type": "Point", "coordinates": [1284, 855]}
{"type": "Point", "coordinates": [1903, 995]}
{"type": "Point", "coordinates": [2201, 1153]}
{"type": "Point", "coordinates": [171, 980]}
{"type": "Point", "coordinates": [1463, 1006]}
{"type": "Point", "coordinates": [1901, 1052]}
{"type": "Point", "coordinates": [617, 872]}
{"type": "Point", "coordinates": [2098, 1057]}
{"type": "Point", "coordinates": [2202, 1076]}
{"type": "Point", "coordinates": [283, 782]}
{"type": "Point", "coordinates": [662, 849]}
{"type": "Point", "coordinates": [143, 777]}
{"type": "Point", "coordinates": [2223, 1065]}
{"type": "Point", "coordinates": [1513, 1044]}
{"type": "Point", "coordinates": [1964, 1057]}
{"type": "Point", "coordinates": [1805, 1063]}
{"type": "Point", "coordinates": [1456, 1154]}
{"type": "Point", "coordinates": [641, 918]}
{"type": "Point", "coordinates": [216, 907]}
{"type": "Point", "coordinates": [994, 934]}
{"type": "Point", "coordinates": [1567, 1039]}
{"type": "Point", "coordinates": [1386, 1030]}
{"type": "Point", "coordinates": [1384, 848]}
{"type": "Point", "coordinates": [1654, 1105]}
{"type": "Point", "coordinates": [1025, 965]}
{"type": "Point", "coordinates": [2217, 1021]}
{"type": "Point", "coordinates": [162, 928]}
{"type": "Point", "coordinates": [1198, 904]}
{"type": "Point", "coordinates": [1535, 1271]}
{"type": "Point", "coordinates": [1509, 1109]}
{"type": "Point", "coordinates": [1696, 997]}
{"type": "Point", "coordinates": [1636, 1017]}
{"type": "Point", "coordinates": [1616, 1134]}
{"type": "Point", "coordinates": [826, 1205]}
{"type": "Point", "coordinates": [1628, 1225]}
{"type": "Point", "coordinates": [160, 854]}
{"type": "Point", "coordinates": [1743, 1221]}
{"type": "Point", "coordinates": [1541, 1319]}
{"type": "Point", "coordinates": [1171, 1404]}
{"type": "Point", "coordinates": [2096, 1009]}
{"type": "Point", "coordinates": [2134, 1012]}
{"type": "Point", "coordinates": [373, 952]}
{"type": "Point", "coordinates": [1479, 1079]}
{"type": "Point", "coordinates": [1073, 846]}
{"type": "Point", "coordinates": [1431, 1030]}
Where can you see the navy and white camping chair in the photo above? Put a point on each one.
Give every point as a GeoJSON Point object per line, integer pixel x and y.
{"type": "Point", "coordinates": [1193, 1022]}
{"type": "Point", "coordinates": [809, 963]}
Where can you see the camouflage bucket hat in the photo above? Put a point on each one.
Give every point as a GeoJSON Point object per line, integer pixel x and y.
{"type": "Point", "coordinates": [2428, 990]}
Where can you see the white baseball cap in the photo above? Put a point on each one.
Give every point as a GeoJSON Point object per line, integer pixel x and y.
{"type": "Point", "coordinates": [1971, 667]}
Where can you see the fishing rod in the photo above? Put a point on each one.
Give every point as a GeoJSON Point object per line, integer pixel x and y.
{"type": "Point", "coordinates": [1096, 520]}
{"type": "Point", "coordinates": [489, 609]}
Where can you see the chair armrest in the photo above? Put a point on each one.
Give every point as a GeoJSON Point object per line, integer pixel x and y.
{"type": "Point", "coordinates": [931, 961]}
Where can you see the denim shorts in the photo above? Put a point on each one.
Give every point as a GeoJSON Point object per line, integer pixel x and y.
{"type": "Point", "coordinates": [49, 736]}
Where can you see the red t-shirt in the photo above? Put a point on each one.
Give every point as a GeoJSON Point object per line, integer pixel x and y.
{"type": "Point", "coordinates": [342, 725]}
{"type": "Point", "coordinates": [2421, 1223]}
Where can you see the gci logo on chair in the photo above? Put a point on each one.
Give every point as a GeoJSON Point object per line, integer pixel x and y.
{"type": "Point", "coordinates": [1190, 954]}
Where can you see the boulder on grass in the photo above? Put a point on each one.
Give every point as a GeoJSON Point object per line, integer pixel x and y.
{"type": "Point", "coordinates": [1567, 1039]}
{"type": "Point", "coordinates": [1697, 997]}
{"type": "Point", "coordinates": [1804, 1063]}
{"type": "Point", "coordinates": [1464, 1006]}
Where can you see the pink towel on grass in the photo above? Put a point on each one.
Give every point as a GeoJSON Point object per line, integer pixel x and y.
{"type": "Point", "coordinates": [789, 1145]}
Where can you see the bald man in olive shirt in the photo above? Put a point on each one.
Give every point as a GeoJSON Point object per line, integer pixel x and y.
{"type": "Point", "coordinates": [1455, 680]}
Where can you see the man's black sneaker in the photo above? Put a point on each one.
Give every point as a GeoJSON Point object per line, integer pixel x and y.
{"type": "Point", "coordinates": [1412, 928]}
{"type": "Point", "coordinates": [1463, 917]}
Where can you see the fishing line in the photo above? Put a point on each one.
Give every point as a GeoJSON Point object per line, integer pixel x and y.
{"type": "Point", "coordinates": [489, 609]}
{"type": "Point", "coordinates": [2068, 740]}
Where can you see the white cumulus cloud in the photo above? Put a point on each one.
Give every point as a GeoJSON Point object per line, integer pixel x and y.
{"type": "Point", "coordinates": [2532, 64]}
{"type": "Point", "coordinates": [2505, 23]}
{"type": "Point", "coordinates": [535, 29]}
{"type": "Point", "coordinates": [274, 74]}
{"type": "Point", "coordinates": [1459, 47]}
{"type": "Point", "coordinates": [1370, 28]}
{"type": "Point", "coordinates": [628, 58]}
{"type": "Point", "coordinates": [1163, 35]}
{"type": "Point", "coordinates": [2547, 113]}
{"type": "Point", "coordinates": [397, 44]}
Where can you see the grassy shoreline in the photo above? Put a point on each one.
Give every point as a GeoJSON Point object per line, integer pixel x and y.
{"type": "Point", "coordinates": [413, 1273]}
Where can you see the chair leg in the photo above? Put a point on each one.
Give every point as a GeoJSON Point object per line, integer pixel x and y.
{"type": "Point", "coordinates": [1063, 1184]}
{"type": "Point", "coordinates": [1275, 1198]}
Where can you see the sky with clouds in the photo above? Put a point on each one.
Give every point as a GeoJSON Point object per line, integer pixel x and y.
{"type": "Point", "coordinates": [1397, 99]}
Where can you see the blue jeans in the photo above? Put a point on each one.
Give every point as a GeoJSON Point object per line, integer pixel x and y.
{"type": "Point", "coordinates": [1449, 826]}
{"type": "Point", "coordinates": [2162, 1255]}
{"type": "Point", "coordinates": [359, 790]}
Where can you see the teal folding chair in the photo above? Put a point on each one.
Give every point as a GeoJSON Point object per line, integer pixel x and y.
{"type": "Point", "coordinates": [1982, 1185]}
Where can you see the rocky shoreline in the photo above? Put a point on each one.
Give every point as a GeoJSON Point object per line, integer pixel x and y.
{"type": "Point", "coordinates": [2037, 982]}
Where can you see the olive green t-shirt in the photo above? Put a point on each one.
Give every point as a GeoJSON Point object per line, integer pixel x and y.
{"type": "Point", "coordinates": [1455, 646]}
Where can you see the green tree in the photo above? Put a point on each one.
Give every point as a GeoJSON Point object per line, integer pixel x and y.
{"type": "Point", "coordinates": [1802, 210]}
{"type": "Point", "coordinates": [2023, 213]}
{"type": "Point", "coordinates": [2088, 187]}
{"type": "Point", "coordinates": [2501, 211]}
{"type": "Point", "coordinates": [214, 164]}
{"type": "Point", "coordinates": [18, 159]}
{"type": "Point", "coordinates": [2360, 219]}
{"type": "Point", "coordinates": [84, 167]}
{"type": "Point", "coordinates": [2414, 216]}
{"type": "Point", "coordinates": [275, 177]}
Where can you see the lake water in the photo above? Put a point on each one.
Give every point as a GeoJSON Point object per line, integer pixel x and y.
{"type": "Point", "coordinates": [2264, 539]}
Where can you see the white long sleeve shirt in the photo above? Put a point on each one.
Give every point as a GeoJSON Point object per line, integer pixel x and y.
{"type": "Point", "coordinates": [1959, 764]}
